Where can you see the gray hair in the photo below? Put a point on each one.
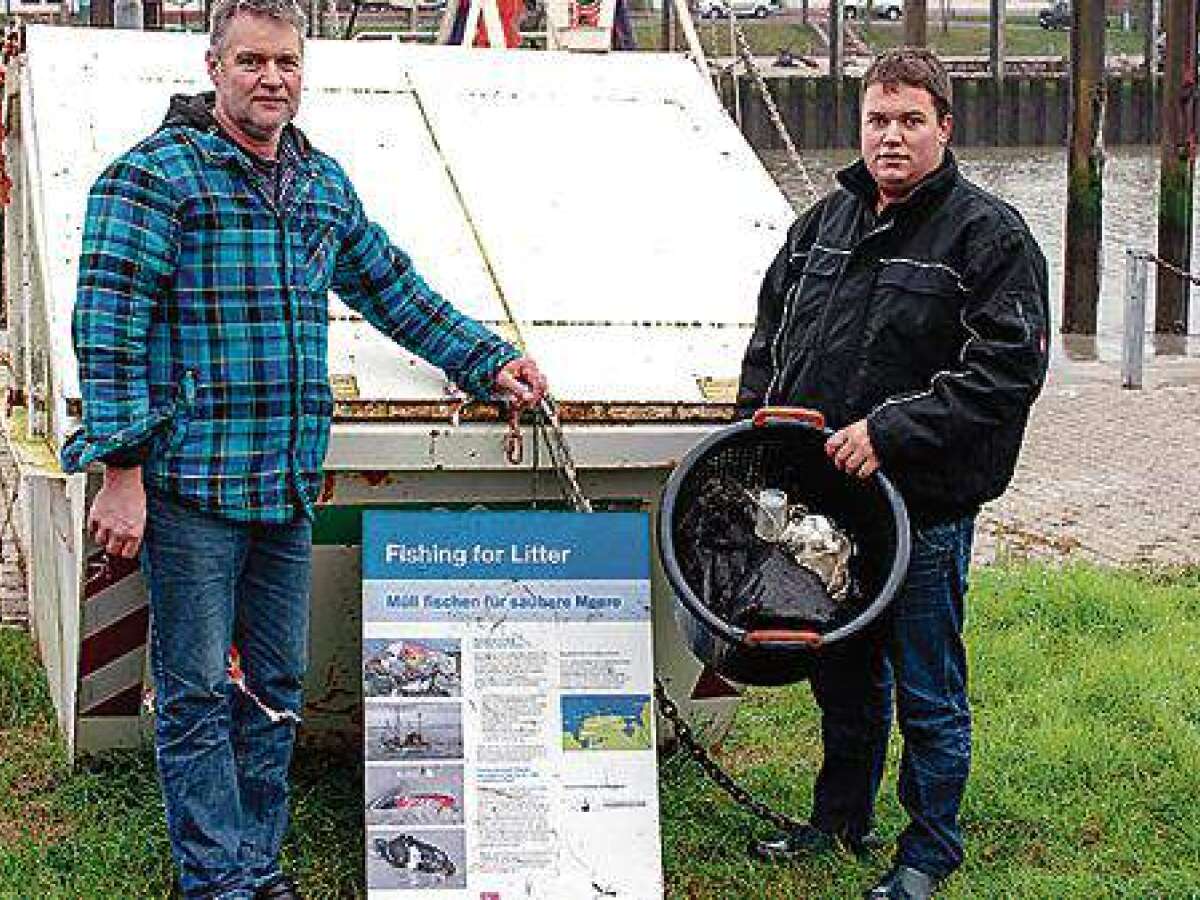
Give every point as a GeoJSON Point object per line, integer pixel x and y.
{"type": "Point", "coordinates": [223, 12]}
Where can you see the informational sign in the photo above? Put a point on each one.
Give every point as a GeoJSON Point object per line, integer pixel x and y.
{"type": "Point", "coordinates": [507, 675]}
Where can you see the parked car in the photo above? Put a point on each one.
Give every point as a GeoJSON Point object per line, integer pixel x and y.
{"type": "Point", "coordinates": [719, 9]}
{"type": "Point", "coordinates": [1056, 16]}
{"type": "Point", "coordinates": [891, 10]}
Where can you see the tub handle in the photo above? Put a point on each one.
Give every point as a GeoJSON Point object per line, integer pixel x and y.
{"type": "Point", "coordinates": [781, 636]}
{"type": "Point", "coordinates": [789, 414]}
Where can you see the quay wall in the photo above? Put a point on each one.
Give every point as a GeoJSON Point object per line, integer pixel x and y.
{"type": "Point", "coordinates": [1023, 110]}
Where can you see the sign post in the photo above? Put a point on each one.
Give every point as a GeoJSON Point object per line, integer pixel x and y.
{"type": "Point", "coordinates": [507, 676]}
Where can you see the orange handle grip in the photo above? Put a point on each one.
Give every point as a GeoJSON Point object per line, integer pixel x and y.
{"type": "Point", "coordinates": [788, 413]}
{"type": "Point", "coordinates": [780, 636]}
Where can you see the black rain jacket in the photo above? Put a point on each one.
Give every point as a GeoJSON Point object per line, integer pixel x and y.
{"type": "Point", "coordinates": [929, 322]}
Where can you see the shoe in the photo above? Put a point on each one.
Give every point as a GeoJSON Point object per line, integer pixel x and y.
{"type": "Point", "coordinates": [282, 888]}
{"type": "Point", "coordinates": [903, 883]}
{"type": "Point", "coordinates": [804, 841]}
{"type": "Point", "coordinates": [808, 840]}
{"type": "Point", "coordinates": [867, 845]}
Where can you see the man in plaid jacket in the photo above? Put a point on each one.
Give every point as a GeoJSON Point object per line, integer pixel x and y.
{"type": "Point", "coordinates": [201, 334]}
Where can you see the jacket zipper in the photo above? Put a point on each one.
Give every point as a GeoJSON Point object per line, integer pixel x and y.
{"type": "Point", "coordinates": [775, 344]}
{"type": "Point", "coordinates": [868, 303]}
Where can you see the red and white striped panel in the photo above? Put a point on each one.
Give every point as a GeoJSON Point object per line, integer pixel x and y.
{"type": "Point", "coordinates": [115, 621]}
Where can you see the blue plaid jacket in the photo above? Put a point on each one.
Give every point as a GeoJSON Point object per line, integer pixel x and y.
{"type": "Point", "coordinates": [201, 321]}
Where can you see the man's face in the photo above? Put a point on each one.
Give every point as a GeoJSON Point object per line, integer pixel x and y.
{"type": "Point", "coordinates": [902, 139]}
{"type": "Point", "coordinates": [257, 74]}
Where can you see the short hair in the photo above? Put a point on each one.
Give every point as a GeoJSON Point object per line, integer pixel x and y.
{"type": "Point", "coordinates": [223, 12]}
{"type": "Point", "coordinates": [916, 67]}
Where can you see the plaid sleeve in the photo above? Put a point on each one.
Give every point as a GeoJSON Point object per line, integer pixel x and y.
{"type": "Point", "coordinates": [127, 261]}
{"type": "Point", "coordinates": [379, 281]}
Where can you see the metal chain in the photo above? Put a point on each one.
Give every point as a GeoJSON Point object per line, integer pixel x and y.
{"type": "Point", "coordinates": [723, 780]}
{"type": "Point", "coordinates": [561, 457]}
{"type": "Point", "coordinates": [1171, 267]}
{"type": "Point", "coordinates": [773, 110]}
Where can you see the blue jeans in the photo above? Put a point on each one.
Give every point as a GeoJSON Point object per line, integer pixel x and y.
{"type": "Point", "coordinates": [915, 656]}
{"type": "Point", "coordinates": [223, 763]}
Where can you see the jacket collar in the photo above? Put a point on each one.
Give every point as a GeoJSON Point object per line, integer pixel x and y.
{"type": "Point", "coordinates": [858, 181]}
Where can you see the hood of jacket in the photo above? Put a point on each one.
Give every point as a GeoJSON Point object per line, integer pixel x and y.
{"type": "Point", "coordinates": [196, 111]}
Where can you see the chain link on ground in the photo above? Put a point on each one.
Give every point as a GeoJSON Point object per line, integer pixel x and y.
{"type": "Point", "coordinates": [694, 750]}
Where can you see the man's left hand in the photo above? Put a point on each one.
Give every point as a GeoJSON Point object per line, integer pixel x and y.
{"type": "Point", "coordinates": [522, 382]}
{"type": "Point", "coordinates": [851, 450]}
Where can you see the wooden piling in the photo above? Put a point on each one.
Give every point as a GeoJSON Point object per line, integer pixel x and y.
{"type": "Point", "coordinates": [996, 66]}
{"type": "Point", "coordinates": [837, 65]}
{"type": "Point", "coordinates": [1151, 21]}
{"type": "Point", "coordinates": [1085, 169]}
{"type": "Point", "coordinates": [101, 14]}
{"type": "Point", "coordinates": [996, 39]}
{"type": "Point", "coordinates": [916, 23]}
{"type": "Point", "coordinates": [1178, 156]}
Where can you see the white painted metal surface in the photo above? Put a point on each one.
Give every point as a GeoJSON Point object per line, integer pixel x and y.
{"type": "Point", "coordinates": [651, 207]}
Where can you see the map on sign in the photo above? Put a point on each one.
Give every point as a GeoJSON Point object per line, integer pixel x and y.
{"type": "Point", "coordinates": [607, 722]}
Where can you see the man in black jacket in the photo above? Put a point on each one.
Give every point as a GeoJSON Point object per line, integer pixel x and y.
{"type": "Point", "coordinates": [910, 307]}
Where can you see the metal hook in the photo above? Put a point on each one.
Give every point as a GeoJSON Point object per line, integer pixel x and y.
{"type": "Point", "coordinates": [514, 441]}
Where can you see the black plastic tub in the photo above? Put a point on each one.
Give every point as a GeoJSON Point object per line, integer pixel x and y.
{"type": "Point", "coordinates": [783, 449]}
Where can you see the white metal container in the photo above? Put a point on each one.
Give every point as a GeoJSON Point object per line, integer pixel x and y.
{"type": "Point", "coordinates": [600, 210]}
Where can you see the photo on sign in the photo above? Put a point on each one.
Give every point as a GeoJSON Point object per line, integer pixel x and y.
{"type": "Point", "coordinates": [607, 722]}
{"type": "Point", "coordinates": [414, 731]}
{"type": "Point", "coordinates": [416, 860]}
{"type": "Point", "coordinates": [414, 795]}
{"type": "Point", "coordinates": [412, 667]}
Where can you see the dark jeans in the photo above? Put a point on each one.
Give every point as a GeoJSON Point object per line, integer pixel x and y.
{"type": "Point", "coordinates": [914, 654]}
{"type": "Point", "coordinates": [223, 763]}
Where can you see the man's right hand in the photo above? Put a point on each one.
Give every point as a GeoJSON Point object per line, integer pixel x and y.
{"type": "Point", "coordinates": [118, 517]}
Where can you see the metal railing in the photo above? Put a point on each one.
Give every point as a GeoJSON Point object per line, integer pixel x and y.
{"type": "Point", "coordinates": [1137, 265]}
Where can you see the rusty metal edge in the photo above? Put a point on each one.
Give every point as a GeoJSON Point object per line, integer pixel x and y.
{"type": "Point", "coordinates": [576, 412]}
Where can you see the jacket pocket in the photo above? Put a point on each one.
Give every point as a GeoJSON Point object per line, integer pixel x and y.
{"type": "Point", "coordinates": [918, 299]}
{"type": "Point", "coordinates": [915, 323]}
{"type": "Point", "coordinates": [812, 278]}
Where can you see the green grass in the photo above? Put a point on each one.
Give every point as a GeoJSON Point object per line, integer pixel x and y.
{"type": "Point", "coordinates": [98, 831]}
{"type": "Point", "coordinates": [1086, 692]}
{"type": "Point", "coordinates": [1025, 39]}
{"type": "Point", "coordinates": [1086, 695]}
{"type": "Point", "coordinates": [960, 39]}
{"type": "Point", "coordinates": [765, 38]}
